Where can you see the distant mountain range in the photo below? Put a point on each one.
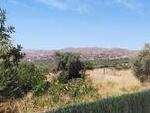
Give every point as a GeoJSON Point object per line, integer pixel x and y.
{"type": "Point", "coordinates": [89, 53]}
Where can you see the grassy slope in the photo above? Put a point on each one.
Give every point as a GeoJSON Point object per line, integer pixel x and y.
{"type": "Point", "coordinates": [133, 103]}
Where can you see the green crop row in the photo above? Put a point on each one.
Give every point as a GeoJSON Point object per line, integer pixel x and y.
{"type": "Point", "coordinates": [132, 103]}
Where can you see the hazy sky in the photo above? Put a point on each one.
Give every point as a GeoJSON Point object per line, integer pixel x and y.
{"type": "Point", "coordinates": [51, 24]}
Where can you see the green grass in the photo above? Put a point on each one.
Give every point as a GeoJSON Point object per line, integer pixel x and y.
{"type": "Point", "coordinates": [132, 103]}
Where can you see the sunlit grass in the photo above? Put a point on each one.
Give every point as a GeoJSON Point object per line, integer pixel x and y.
{"type": "Point", "coordinates": [115, 82]}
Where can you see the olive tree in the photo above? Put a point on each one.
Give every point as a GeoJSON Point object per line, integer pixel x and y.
{"type": "Point", "coordinates": [10, 57]}
{"type": "Point", "coordinates": [69, 65]}
{"type": "Point", "coordinates": [141, 64]}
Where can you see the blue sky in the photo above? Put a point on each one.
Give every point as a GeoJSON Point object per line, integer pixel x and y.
{"type": "Point", "coordinates": [54, 24]}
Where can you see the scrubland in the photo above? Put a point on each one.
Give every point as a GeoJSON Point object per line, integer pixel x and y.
{"type": "Point", "coordinates": [105, 83]}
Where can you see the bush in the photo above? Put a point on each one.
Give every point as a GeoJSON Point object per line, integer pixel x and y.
{"type": "Point", "coordinates": [45, 65]}
{"type": "Point", "coordinates": [63, 77]}
{"type": "Point", "coordinates": [76, 90]}
{"type": "Point", "coordinates": [31, 78]}
{"type": "Point", "coordinates": [9, 82]}
{"type": "Point", "coordinates": [26, 78]}
{"type": "Point", "coordinates": [88, 65]}
{"type": "Point", "coordinates": [141, 64]}
{"type": "Point", "coordinates": [133, 103]}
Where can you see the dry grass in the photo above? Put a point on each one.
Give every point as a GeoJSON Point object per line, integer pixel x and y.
{"type": "Point", "coordinates": [114, 82]}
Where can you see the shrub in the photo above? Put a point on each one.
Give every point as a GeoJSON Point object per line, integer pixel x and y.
{"type": "Point", "coordinates": [63, 77]}
{"type": "Point", "coordinates": [78, 87]}
{"type": "Point", "coordinates": [76, 90]}
{"type": "Point", "coordinates": [31, 78]}
{"type": "Point", "coordinates": [141, 64]}
{"type": "Point", "coordinates": [9, 82]}
{"type": "Point", "coordinates": [45, 65]}
{"type": "Point", "coordinates": [88, 65]}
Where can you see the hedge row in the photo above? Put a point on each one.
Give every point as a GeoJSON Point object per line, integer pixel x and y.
{"type": "Point", "coordinates": [132, 103]}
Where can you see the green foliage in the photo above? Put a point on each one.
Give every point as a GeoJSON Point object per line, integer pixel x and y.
{"type": "Point", "coordinates": [9, 82]}
{"type": "Point", "coordinates": [40, 88]}
{"type": "Point", "coordinates": [122, 63]}
{"type": "Point", "coordinates": [119, 64]}
{"type": "Point", "coordinates": [88, 65]}
{"type": "Point", "coordinates": [27, 78]}
{"type": "Point", "coordinates": [16, 78]}
{"type": "Point", "coordinates": [63, 77]}
{"type": "Point", "coordinates": [10, 57]}
{"type": "Point", "coordinates": [76, 89]}
{"type": "Point", "coordinates": [45, 65]}
{"type": "Point", "coordinates": [31, 78]}
{"type": "Point", "coordinates": [133, 103]}
{"type": "Point", "coordinates": [69, 65]}
{"type": "Point", "coordinates": [141, 64]}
